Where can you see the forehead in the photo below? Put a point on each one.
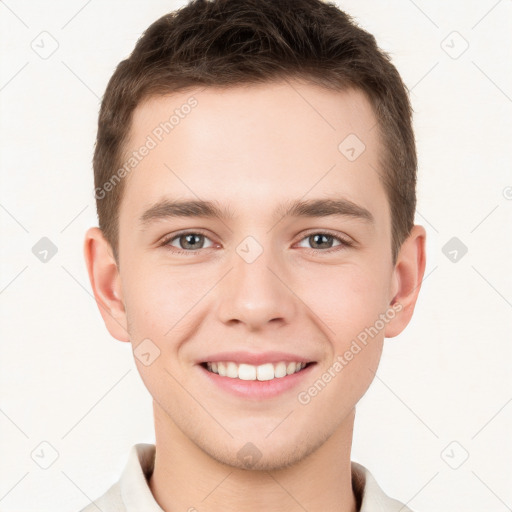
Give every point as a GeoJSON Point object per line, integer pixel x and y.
{"type": "Point", "coordinates": [252, 146]}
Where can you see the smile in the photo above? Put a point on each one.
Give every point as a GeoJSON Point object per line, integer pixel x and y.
{"type": "Point", "coordinates": [262, 372]}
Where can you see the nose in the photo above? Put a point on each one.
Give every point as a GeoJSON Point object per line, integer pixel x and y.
{"type": "Point", "coordinates": [256, 293]}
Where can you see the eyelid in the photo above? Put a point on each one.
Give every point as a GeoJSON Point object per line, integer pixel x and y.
{"type": "Point", "coordinates": [343, 238]}
{"type": "Point", "coordinates": [175, 234]}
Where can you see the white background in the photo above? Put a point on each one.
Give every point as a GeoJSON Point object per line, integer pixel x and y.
{"type": "Point", "coordinates": [446, 378]}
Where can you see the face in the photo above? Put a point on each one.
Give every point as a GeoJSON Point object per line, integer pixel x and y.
{"type": "Point", "coordinates": [258, 282]}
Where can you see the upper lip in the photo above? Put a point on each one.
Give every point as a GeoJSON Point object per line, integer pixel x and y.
{"type": "Point", "coordinates": [255, 358]}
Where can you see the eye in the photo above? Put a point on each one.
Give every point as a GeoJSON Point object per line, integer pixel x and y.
{"type": "Point", "coordinates": [323, 241]}
{"type": "Point", "coordinates": [188, 242]}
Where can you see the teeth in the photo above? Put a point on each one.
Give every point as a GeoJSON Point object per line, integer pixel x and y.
{"type": "Point", "coordinates": [267, 371]}
{"type": "Point", "coordinates": [246, 371]}
{"type": "Point", "coordinates": [280, 370]}
{"type": "Point", "coordinates": [231, 370]}
{"type": "Point", "coordinates": [291, 368]}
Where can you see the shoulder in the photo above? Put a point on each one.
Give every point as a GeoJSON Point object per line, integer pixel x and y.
{"type": "Point", "coordinates": [131, 491]}
{"type": "Point", "coordinates": [111, 501]}
{"type": "Point", "coordinates": [369, 495]}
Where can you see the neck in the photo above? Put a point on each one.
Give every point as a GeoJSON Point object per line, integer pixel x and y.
{"type": "Point", "coordinates": [186, 478]}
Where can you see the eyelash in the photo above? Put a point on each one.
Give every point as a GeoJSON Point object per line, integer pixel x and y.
{"type": "Point", "coordinates": [344, 243]}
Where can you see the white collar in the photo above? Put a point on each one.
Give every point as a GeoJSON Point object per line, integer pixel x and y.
{"type": "Point", "coordinates": [137, 495]}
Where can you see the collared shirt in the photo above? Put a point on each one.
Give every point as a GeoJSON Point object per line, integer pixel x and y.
{"type": "Point", "coordinates": [131, 493]}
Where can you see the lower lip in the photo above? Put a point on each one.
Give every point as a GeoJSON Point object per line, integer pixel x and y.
{"type": "Point", "coordinates": [258, 389]}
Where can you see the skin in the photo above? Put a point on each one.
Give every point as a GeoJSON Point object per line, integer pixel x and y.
{"type": "Point", "coordinates": [251, 149]}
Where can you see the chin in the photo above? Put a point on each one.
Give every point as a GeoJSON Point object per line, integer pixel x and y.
{"type": "Point", "coordinates": [261, 456]}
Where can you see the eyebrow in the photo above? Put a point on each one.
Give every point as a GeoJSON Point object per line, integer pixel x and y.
{"type": "Point", "coordinates": [167, 208]}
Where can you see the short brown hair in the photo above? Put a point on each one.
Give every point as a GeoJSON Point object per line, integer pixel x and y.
{"type": "Point", "coordinates": [233, 42]}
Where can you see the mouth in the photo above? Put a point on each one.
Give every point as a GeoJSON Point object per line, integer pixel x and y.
{"type": "Point", "coordinates": [250, 372]}
{"type": "Point", "coordinates": [256, 382]}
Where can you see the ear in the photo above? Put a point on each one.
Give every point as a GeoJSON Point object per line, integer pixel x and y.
{"type": "Point", "coordinates": [106, 283]}
{"type": "Point", "coordinates": [406, 281]}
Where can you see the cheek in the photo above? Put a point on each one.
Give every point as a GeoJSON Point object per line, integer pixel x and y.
{"type": "Point", "coordinates": [160, 299]}
{"type": "Point", "coordinates": [341, 299]}
{"type": "Point", "coordinates": [347, 299]}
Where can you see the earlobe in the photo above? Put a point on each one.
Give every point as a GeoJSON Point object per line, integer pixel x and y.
{"type": "Point", "coordinates": [106, 283]}
{"type": "Point", "coordinates": [407, 277]}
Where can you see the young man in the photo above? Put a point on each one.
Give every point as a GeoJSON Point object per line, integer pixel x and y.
{"type": "Point", "coordinates": [255, 174]}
